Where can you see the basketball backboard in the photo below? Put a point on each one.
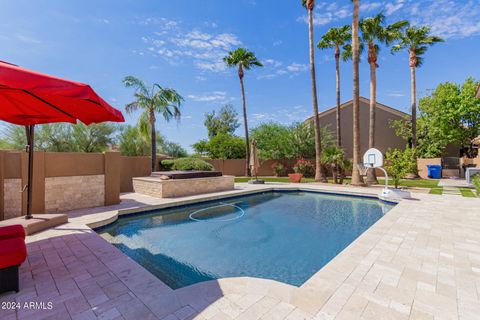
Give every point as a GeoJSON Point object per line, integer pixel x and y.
{"type": "Point", "coordinates": [373, 158]}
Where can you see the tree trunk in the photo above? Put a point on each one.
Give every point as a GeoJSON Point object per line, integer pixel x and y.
{"type": "Point", "coordinates": [356, 178]}
{"type": "Point", "coordinates": [319, 172]}
{"type": "Point", "coordinates": [153, 137]}
{"type": "Point", "coordinates": [337, 69]}
{"type": "Point", "coordinates": [414, 107]}
{"type": "Point", "coordinates": [336, 172]}
{"type": "Point", "coordinates": [371, 175]}
{"type": "Point", "coordinates": [244, 104]}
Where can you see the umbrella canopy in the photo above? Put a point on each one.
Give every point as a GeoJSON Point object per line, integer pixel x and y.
{"type": "Point", "coordinates": [29, 98]}
{"type": "Point", "coordinates": [254, 162]}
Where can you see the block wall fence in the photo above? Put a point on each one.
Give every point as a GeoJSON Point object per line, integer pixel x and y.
{"type": "Point", "coordinates": [65, 181]}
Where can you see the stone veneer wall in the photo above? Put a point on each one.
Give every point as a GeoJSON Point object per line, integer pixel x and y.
{"type": "Point", "coordinates": [12, 198]}
{"type": "Point", "coordinates": [75, 192]}
{"type": "Point", "coordinates": [182, 187]}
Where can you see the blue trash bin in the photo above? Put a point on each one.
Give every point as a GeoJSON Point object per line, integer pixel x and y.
{"type": "Point", "coordinates": [434, 171]}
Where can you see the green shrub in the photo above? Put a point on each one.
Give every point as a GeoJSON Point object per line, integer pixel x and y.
{"type": "Point", "coordinates": [167, 164]}
{"type": "Point", "coordinates": [304, 167]}
{"type": "Point", "coordinates": [279, 169]}
{"type": "Point", "coordinates": [188, 164]}
{"type": "Point", "coordinates": [476, 183]}
{"type": "Point", "coordinates": [399, 163]}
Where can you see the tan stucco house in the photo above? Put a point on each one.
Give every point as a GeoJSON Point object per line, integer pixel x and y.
{"type": "Point", "coordinates": [385, 136]}
{"type": "Point", "coordinates": [478, 92]}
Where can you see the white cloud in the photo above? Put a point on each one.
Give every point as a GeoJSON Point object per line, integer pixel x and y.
{"type": "Point", "coordinates": [27, 39]}
{"type": "Point", "coordinates": [274, 68]}
{"type": "Point", "coordinates": [370, 6]}
{"type": "Point", "coordinates": [396, 94]}
{"type": "Point", "coordinates": [176, 45]}
{"type": "Point", "coordinates": [216, 96]}
{"type": "Point", "coordinates": [285, 115]}
{"type": "Point", "coordinates": [448, 18]}
{"type": "Point", "coordinates": [326, 13]}
{"type": "Point", "coordinates": [392, 7]}
{"type": "Point", "coordinates": [297, 67]}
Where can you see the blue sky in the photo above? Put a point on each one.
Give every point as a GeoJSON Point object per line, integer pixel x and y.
{"type": "Point", "coordinates": [180, 44]}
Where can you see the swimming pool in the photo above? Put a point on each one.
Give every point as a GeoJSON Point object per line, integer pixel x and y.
{"type": "Point", "coordinates": [284, 236]}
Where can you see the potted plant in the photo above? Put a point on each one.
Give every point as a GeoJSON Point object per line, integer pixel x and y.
{"type": "Point", "coordinates": [279, 169]}
{"type": "Point", "coordinates": [302, 168]}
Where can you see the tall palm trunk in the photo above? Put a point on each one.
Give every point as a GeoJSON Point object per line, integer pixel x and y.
{"type": "Point", "coordinates": [153, 137]}
{"type": "Point", "coordinates": [372, 60]}
{"type": "Point", "coordinates": [337, 69]}
{"type": "Point", "coordinates": [319, 173]}
{"type": "Point", "coordinates": [356, 178]}
{"type": "Point", "coordinates": [336, 169]}
{"type": "Point", "coordinates": [413, 63]}
{"type": "Point", "coordinates": [244, 103]}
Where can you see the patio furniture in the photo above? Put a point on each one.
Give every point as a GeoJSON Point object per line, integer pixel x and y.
{"type": "Point", "coordinates": [451, 167]}
{"type": "Point", "coordinates": [470, 173]}
{"type": "Point", "coordinates": [13, 253]}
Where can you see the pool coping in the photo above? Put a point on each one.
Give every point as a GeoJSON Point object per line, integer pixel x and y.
{"type": "Point", "coordinates": [205, 198]}
{"type": "Point", "coordinates": [386, 270]}
{"type": "Point", "coordinates": [151, 209]}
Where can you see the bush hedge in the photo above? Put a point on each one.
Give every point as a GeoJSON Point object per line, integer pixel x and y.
{"type": "Point", "coordinates": [186, 164]}
{"type": "Point", "coordinates": [476, 183]}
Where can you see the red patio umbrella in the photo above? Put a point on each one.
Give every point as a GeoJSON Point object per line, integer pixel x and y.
{"type": "Point", "coordinates": [28, 98]}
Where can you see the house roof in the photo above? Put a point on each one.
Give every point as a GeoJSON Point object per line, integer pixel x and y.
{"type": "Point", "coordinates": [366, 101]}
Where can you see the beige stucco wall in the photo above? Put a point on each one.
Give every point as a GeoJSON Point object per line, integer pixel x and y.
{"type": "Point", "coordinates": [12, 198]}
{"type": "Point", "coordinates": [74, 192]}
{"type": "Point", "coordinates": [133, 167]}
{"type": "Point", "coordinates": [385, 136]}
{"type": "Point", "coordinates": [423, 163]}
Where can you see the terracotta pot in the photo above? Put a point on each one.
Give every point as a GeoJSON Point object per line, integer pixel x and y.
{"type": "Point", "coordinates": [295, 177]}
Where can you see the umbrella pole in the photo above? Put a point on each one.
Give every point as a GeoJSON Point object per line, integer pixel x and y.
{"type": "Point", "coordinates": [30, 139]}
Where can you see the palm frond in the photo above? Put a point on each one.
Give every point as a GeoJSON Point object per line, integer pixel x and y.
{"type": "Point", "coordinates": [243, 57]}
{"type": "Point", "coordinates": [131, 107]}
{"type": "Point", "coordinates": [137, 84]}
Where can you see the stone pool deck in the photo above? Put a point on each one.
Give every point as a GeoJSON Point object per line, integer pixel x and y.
{"type": "Point", "coordinates": [420, 261]}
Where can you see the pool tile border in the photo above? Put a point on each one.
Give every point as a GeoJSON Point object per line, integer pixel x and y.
{"type": "Point", "coordinates": [419, 261]}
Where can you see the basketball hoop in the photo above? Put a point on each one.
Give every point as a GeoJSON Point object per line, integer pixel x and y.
{"type": "Point", "coordinates": [373, 159]}
{"type": "Point", "coordinates": [363, 168]}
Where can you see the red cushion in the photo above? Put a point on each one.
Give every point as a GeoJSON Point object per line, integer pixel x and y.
{"type": "Point", "coordinates": [12, 252]}
{"type": "Point", "coordinates": [14, 231]}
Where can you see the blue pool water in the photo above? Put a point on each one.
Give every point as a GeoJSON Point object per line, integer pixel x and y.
{"type": "Point", "coordinates": [285, 236]}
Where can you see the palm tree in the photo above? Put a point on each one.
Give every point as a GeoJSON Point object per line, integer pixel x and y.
{"type": "Point", "coordinates": [319, 173]}
{"type": "Point", "coordinates": [336, 38]}
{"type": "Point", "coordinates": [356, 177]}
{"type": "Point", "coordinates": [244, 60]}
{"type": "Point", "coordinates": [416, 40]}
{"type": "Point", "coordinates": [333, 156]}
{"type": "Point", "coordinates": [153, 100]}
{"type": "Point", "coordinates": [375, 32]}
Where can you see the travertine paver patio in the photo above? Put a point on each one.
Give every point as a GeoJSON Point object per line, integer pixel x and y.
{"type": "Point", "coordinates": [420, 261]}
